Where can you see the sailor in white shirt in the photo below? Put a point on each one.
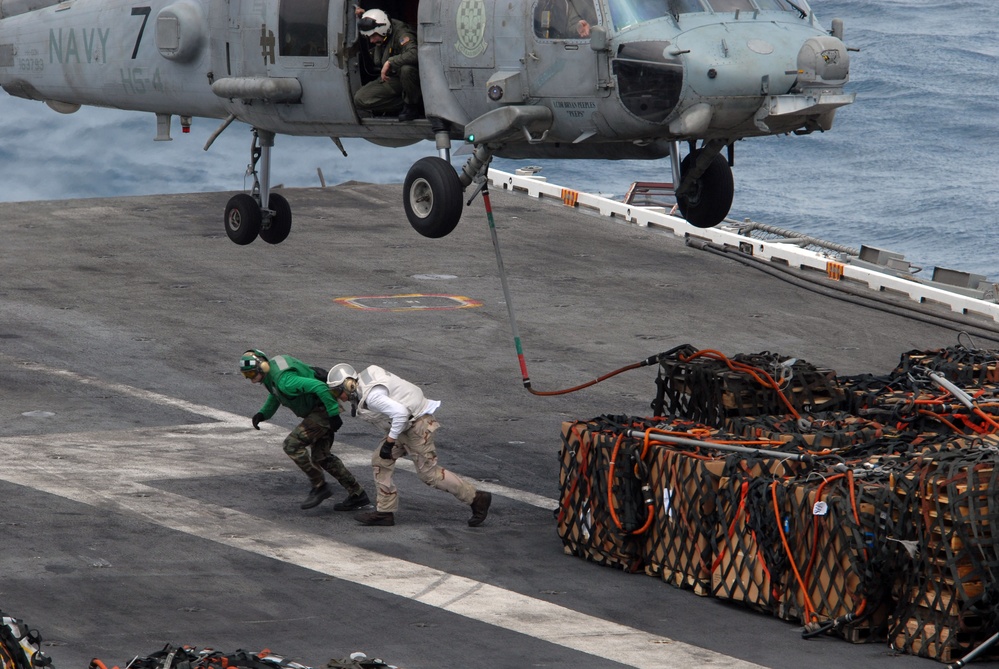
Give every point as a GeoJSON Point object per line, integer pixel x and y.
{"type": "Point", "coordinates": [401, 409]}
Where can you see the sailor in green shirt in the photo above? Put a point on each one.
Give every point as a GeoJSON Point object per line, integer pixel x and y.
{"type": "Point", "coordinates": [292, 383]}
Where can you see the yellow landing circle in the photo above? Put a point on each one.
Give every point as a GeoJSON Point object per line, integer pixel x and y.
{"type": "Point", "coordinates": [411, 302]}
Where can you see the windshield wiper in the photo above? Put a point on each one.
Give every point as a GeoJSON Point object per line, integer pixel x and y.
{"type": "Point", "coordinates": [801, 11]}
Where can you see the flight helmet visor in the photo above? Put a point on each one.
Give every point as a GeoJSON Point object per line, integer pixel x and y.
{"type": "Point", "coordinates": [373, 22]}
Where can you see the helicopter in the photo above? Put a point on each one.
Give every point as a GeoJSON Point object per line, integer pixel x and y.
{"type": "Point", "coordinates": [520, 79]}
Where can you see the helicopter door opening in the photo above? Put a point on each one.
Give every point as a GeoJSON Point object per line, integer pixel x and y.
{"type": "Point", "coordinates": [361, 67]}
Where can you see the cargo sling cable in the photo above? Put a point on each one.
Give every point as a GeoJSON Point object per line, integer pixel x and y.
{"type": "Point", "coordinates": [759, 375]}
{"type": "Point", "coordinates": [484, 189]}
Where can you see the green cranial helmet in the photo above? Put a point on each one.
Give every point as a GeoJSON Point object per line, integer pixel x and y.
{"type": "Point", "coordinates": [249, 364]}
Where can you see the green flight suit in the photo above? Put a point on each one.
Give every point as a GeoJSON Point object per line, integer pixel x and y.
{"type": "Point", "coordinates": [403, 85]}
{"type": "Point", "coordinates": [292, 383]}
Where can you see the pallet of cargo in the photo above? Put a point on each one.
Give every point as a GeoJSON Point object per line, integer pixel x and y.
{"type": "Point", "coordinates": [836, 534]}
{"type": "Point", "coordinates": [710, 389]}
{"type": "Point", "coordinates": [870, 524]}
{"type": "Point", "coordinates": [826, 431]}
{"type": "Point", "coordinates": [680, 543]}
{"type": "Point", "coordinates": [960, 365]}
{"type": "Point", "coordinates": [586, 520]}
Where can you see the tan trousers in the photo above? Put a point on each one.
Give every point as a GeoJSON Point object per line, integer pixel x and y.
{"type": "Point", "coordinates": [418, 443]}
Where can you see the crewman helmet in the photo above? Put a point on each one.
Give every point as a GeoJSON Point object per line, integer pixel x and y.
{"type": "Point", "coordinates": [338, 376]}
{"type": "Point", "coordinates": [374, 21]}
{"type": "Point", "coordinates": [249, 363]}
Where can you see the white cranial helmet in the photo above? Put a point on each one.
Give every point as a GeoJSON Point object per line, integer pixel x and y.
{"type": "Point", "coordinates": [374, 21]}
{"type": "Point", "coordinates": [340, 373]}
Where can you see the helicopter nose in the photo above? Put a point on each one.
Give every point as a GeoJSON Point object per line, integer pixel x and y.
{"type": "Point", "coordinates": [823, 62]}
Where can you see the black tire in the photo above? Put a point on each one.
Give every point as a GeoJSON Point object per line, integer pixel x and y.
{"type": "Point", "coordinates": [709, 199]}
{"type": "Point", "coordinates": [432, 197]}
{"type": "Point", "coordinates": [280, 225]}
{"type": "Point", "coordinates": [242, 219]}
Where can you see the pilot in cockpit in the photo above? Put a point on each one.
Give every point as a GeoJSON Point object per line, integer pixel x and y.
{"type": "Point", "coordinates": [564, 19]}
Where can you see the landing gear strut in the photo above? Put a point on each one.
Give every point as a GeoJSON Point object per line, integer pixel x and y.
{"type": "Point", "coordinates": [260, 213]}
{"type": "Point", "coordinates": [706, 188]}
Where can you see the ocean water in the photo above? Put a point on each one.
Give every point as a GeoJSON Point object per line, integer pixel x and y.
{"type": "Point", "coordinates": [912, 166]}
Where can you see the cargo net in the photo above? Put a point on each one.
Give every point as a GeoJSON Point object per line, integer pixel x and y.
{"type": "Point", "coordinates": [707, 387]}
{"type": "Point", "coordinates": [948, 597]}
{"type": "Point", "coordinates": [859, 507]}
{"type": "Point", "coordinates": [590, 522]}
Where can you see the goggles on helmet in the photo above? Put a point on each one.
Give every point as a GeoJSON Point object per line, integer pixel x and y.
{"type": "Point", "coordinates": [249, 365]}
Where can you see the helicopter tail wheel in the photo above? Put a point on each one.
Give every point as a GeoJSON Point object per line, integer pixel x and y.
{"type": "Point", "coordinates": [432, 197]}
{"type": "Point", "coordinates": [280, 225]}
{"type": "Point", "coordinates": [707, 202]}
{"type": "Point", "coordinates": [242, 219]}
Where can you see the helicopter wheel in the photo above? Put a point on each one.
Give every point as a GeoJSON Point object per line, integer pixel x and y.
{"type": "Point", "coordinates": [709, 198]}
{"type": "Point", "coordinates": [242, 219]}
{"type": "Point", "coordinates": [432, 197]}
{"type": "Point", "coordinates": [280, 225]}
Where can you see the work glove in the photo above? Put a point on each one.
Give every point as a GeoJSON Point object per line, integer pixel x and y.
{"type": "Point", "coordinates": [335, 423]}
{"type": "Point", "coordinates": [257, 418]}
{"type": "Point", "coordinates": [385, 452]}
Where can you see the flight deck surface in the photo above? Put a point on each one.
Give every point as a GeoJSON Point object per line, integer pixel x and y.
{"type": "Point", "coordinates": [141, 508]}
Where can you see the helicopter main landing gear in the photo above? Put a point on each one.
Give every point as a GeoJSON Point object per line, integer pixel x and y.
{"type": "Point", "coordinates": [433, 192]}
{"type": "Point", "coordinates": [706, 187]}
{"type": "Point", "coordinates": [433, 197]}
{"type": "Point", "coordinates": [259, 213]}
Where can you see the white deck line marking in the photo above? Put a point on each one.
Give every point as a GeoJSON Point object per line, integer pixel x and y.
{"type": "Point", "coordinates": [148, 395]}
{"type": "Point", "coordinates": [456, 594]}
{"type": "Point", "coordinates": [472, 599]}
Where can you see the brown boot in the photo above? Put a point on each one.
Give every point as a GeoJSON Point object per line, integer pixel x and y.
{"type": "Point", "coordinates": [385, 518]}
{"type": "Point", "coordinates": [480, 507]}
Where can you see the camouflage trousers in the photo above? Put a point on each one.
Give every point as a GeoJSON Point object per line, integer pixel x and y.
{"type": "Point", "coordinates": [418, 443]}
{"type": "Point", "coordinates": [309, 446]}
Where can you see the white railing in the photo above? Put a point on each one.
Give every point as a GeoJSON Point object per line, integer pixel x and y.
{"type": "Point", "coordinates": [835, 264]}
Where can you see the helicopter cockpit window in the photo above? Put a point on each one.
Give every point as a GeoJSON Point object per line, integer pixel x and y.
{"type": "Point", "coordinates": [564, 19]}
{"type": "Point", "coordinates": [626, 13]}
{"type": "Point", "coordinates": [302, 28]}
